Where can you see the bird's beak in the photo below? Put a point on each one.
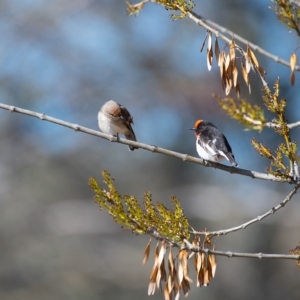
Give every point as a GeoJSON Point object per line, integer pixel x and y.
{"type": "Point", "coordinates": [193, 129]}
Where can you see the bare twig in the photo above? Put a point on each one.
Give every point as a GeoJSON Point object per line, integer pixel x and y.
{"type": "Point", "coordinates": [270, 124]}
{"type": "Point", "coordinates": [192, 248]}
{"type": "Point", "coordinates": [184, 157]}
{"type": "Point", "coordinates": [257, 219]}
{"type": "Point", "coordinates": [293, 125]}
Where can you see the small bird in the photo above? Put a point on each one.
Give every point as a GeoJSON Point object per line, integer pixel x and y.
{"type": "Point", "coordinates": [211, 144]}
{"type": "Point", "coordinates": [115, 119]}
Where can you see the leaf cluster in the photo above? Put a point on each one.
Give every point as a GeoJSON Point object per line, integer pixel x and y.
{"type": "Point", "coordinates": [181, 6]}
{"type": "Point", "coordinates": [272, 101]}
{"type": "Point", "coordinates": [157, 219]}
{"type": "Point", "coordinates": [277, 166]}
{"type": "Point", "coordinates": [288, 13]}
{"type": "Point", "coordinates": [288, 149]}
{"type": "Point", "coordinates": [251, 116]}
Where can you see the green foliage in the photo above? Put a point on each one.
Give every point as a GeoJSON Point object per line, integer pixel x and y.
{"type": "Point", "coordinates": [271, 100]}
{"type": "Point", "coordinates": [277, 106]}
{"type": "Point", "coordinates": [276, 166]}
{"type": "Point", "coordinates": [251, 116]}
{"type": "Point", "coordinates": [261, 149]}
{"type": "Point", "coordinates": [154, 219]}
{"type": "Point", "coordinates": [288, 13]}
{"type": "Point", "coordinates": [181, 6]}
{"type": "Point", "coordinates": [288, 149]}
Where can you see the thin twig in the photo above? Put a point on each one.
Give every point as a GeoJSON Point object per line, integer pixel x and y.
{"type": "Point", "coordinates": [257, 219]}
{"type": "Point", "coordinates": [238, 254]}
{"type": "Point", "coordinates": [229, 254]}
{"type": "Point", "coordinates": [184, 157]}
{"type": "Point", "coordinates": [270, 124]}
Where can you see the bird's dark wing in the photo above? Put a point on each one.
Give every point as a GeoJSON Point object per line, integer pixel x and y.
{"type": "Point", "coordinates": [125, 114]}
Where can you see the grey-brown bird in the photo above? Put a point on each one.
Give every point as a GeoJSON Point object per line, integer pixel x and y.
{"type": "Point", "coordinates": [115, 119]}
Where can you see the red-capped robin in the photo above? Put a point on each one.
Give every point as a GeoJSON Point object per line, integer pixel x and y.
{"type": "Point", "coordinates": [115, 119]}
{"type": "Point", "coordinates": [211, 144]}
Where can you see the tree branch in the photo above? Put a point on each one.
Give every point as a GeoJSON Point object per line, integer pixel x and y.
{"type": "Point", "coordinates": [215, 28]}
{"type": "Point", "coordinates": [270, 124]}
{"type": "Point", "coordinates": [257, 219]}
{"type": "Point", "coordinates": [238, 254]}
{"type": "Point", "coordinates": [229, 254]}
{"type": "Point", "coordinates": [184, 157]}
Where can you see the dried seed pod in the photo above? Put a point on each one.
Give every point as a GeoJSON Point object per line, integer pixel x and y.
{"type": "Point", "coordinates": [293, 60]}
{"type": "Point", "coordinates": [213, 263]}
{"type": "Point", "coordinates": [292, 78]}
{"type": "Point", "coordinates": [209, 59]}
{"type": "Point", "coordinates": [203, 44]}
{"type": "Point", "coordinates": [245, 73]}
{"type": "Point", "coordinates": [253, 58]}
{"type": "Point", "coordinates": [227, 62]}
{"type": "Point", "coordinates": [232, 50]}
{"type": "Point", "coordinates": [167, 293]}
{"type": "Point", "coordinates": [146, 252]}
{"type": "Point", "coordinates": [238, 90]}
{"type": "Point", "coordinates": [221, 63]}
{"type": "Point", "coordinates": [235, 76]}
{"type": "Point", "coordinates": [217, 50]}
{"type": "Point", "coordinates": [209, 41]}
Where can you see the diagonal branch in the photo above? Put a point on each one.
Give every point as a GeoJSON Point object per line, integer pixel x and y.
{"type": "Point", "coordinates": [216, 29]}
{"type": "Point", "coordinates": [184, 157]}
{"type": "Point", "coordinates": [257, 219]}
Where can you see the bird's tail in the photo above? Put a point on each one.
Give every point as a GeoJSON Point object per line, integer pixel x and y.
{"type": "Point", "coordinates": [231, 159]}
{"type": "Point", "coordinates": [131, 136]}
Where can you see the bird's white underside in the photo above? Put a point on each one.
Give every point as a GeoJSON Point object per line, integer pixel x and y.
{"type": "Point", "coordinates": [209, 154]}
{"type": "Point", "coordinates": [111, 125]}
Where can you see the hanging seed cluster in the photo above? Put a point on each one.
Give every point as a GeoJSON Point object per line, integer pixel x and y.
{"type": "Point", "coordinates": [227, 63]}
{"type": "Point", "coordinates": [175, 278]}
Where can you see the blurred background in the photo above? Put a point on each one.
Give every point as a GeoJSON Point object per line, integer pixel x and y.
{"type": "Point", "coordinates": [65, 58]}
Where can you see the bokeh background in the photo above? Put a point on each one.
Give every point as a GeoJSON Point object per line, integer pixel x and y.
{"type": "Point", "coordinates": [65, 58]}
